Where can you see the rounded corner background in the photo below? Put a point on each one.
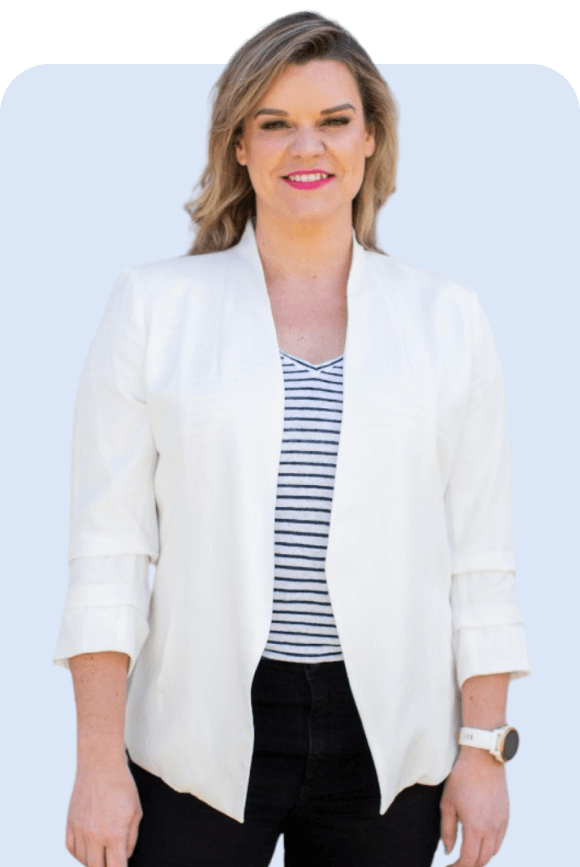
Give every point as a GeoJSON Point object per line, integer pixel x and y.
{"type": "Point", "coordinates": [560, 75]}
{"type": "Point", "coordinates": [18, 75]}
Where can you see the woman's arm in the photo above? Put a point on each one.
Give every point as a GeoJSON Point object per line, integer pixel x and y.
{"type": "Point", "coordinates": [476, 790]}
{"type": "Point", "coordinates": [100, 687]}
{"type": "Point", "coordinates": [483, 704]}
{"type": "Point", "coordinates": [104, 811]}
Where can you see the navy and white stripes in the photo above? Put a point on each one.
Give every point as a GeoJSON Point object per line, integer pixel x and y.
{"type": "Point", "coordinates": [303, 627]}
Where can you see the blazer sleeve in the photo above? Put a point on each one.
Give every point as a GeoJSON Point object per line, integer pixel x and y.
{"type": "Point", "coordinates": [113, 521]}
{"type": "Point", "coordinates": [488, 631]}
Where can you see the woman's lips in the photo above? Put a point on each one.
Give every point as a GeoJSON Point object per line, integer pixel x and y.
{"type": "Point", "coordinates": [308, 185]}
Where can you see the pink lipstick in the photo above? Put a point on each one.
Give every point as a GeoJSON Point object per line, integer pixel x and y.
{"type": "Point", "coordinates": [302, 184]}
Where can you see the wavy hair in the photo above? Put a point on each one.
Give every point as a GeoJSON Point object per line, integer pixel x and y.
{"type": "Point", "coordinates": [226, 199]}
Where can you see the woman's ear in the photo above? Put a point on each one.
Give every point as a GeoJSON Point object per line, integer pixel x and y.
{"type": "Point", "coordinates": [240, 152]}
{"type": "Point", "coordinates": [370, 143]}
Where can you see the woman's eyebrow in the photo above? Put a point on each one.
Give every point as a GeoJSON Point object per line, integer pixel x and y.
{"type": "Point", "coordinates": [278, 111]}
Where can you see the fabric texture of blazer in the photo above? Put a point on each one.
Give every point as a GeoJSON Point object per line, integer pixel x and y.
{"type": "Point", "coordinates": [176, 449]}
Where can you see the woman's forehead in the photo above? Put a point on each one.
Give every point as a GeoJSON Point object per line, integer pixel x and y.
{"type": "Point", "coordinates": [329, 83]}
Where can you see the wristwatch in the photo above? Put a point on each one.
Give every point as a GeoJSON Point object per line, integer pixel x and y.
{"type": "Point", "coordinates": [502, 743]}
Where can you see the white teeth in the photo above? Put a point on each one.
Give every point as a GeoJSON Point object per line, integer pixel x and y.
{"type": "Point", "coordinates": [306, 178]}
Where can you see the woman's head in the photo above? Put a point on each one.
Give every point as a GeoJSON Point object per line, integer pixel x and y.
{"type": "Point", "coordinates": [305, 147]}
{"type": "Point", "coordinates": [227, 197]}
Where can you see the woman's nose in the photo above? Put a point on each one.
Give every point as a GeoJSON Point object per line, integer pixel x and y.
{"type": "Point", "coordinates": [307, 143]}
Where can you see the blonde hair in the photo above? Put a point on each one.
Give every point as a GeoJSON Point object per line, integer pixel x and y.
{"type": "Point", "coordinates": [227, 199]}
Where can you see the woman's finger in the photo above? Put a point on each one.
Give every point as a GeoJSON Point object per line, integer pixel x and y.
{"type": "Point", "coordinates": [95, 853]}
{"type": "Point", "coordinates": [132, 834]}
{"type": "Point", "coordinates": [448, 826]}
{"type": "Point", "coordinates": [487, 850]}
{"type": "Point", "coordinates": [470, 849]}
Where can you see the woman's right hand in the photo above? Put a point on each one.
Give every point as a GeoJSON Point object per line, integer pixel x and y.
{"type": "Point", "coordinates": [103, 816]}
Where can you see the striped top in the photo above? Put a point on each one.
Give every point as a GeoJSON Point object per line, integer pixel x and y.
{"type": "Point", "coordinates": [303, 627]}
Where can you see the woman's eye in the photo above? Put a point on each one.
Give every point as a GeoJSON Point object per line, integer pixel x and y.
{"type": "Point", "coordinates": [330, 121]}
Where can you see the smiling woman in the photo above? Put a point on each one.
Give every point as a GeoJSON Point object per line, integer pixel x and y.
{"type": "Point", "coordinates": [309, 440]}
{"type": "Point", "coordinates": [321, 145]}
{"type": "Point", "coordinates": [310, 51]}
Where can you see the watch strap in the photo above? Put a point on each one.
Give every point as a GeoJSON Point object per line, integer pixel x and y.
{"type": "Point", "coordinates": [481, 738]}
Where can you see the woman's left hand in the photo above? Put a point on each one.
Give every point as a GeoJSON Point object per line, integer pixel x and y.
{"type": "Point", "coordinates": [475, 793]}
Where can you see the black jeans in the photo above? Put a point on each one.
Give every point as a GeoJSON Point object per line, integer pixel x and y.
{"type": "Point", "coordinates": [312, 779]}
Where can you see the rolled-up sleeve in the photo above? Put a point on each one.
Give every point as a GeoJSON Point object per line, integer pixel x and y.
{"type": "Point", "coordinates": [489, 635]}
{"type": "Point", "coordinates": [114, 528]}
{"type": "Point", "coordinates": [488, 631]}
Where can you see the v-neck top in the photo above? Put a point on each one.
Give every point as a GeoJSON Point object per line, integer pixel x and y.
{"type": "Point", "coordinates": [303, 628]}
{"type": "Point", "coordinates": [309, 364]}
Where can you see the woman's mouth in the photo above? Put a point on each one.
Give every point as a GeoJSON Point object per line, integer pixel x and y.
{"type": "Point", "coordinates": [308, 180]}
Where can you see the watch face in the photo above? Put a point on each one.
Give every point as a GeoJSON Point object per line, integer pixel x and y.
{"type": "Point", "coordinates": [510, 745]}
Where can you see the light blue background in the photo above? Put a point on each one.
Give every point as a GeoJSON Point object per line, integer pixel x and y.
{"type": "Point", "coordinates": [95, 165]}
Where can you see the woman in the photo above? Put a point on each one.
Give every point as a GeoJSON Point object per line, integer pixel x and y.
{"type": "Point", "coordinates": [291, 673]}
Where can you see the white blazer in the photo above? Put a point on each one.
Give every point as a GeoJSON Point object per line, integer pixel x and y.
{"type": "Point", "coordinates": [176, 449]}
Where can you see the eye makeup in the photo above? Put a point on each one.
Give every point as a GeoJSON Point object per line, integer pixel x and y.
{"type": "Point", "coordinates": [330, 121]}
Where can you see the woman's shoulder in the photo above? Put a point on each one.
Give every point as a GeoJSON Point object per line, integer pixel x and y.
{"type": "Point", "coordinates": [151, 279]}
{"type": "Point", "coordinates": [178, 266]}
{"type": "Point", "coordinates": [414, 285]}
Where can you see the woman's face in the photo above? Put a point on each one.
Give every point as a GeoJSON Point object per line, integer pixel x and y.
{"type": "Point", "coordinates": [309, 122]}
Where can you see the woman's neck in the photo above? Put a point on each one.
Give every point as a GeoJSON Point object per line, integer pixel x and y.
{"type": "Point", "coordinates": [313, 257]}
